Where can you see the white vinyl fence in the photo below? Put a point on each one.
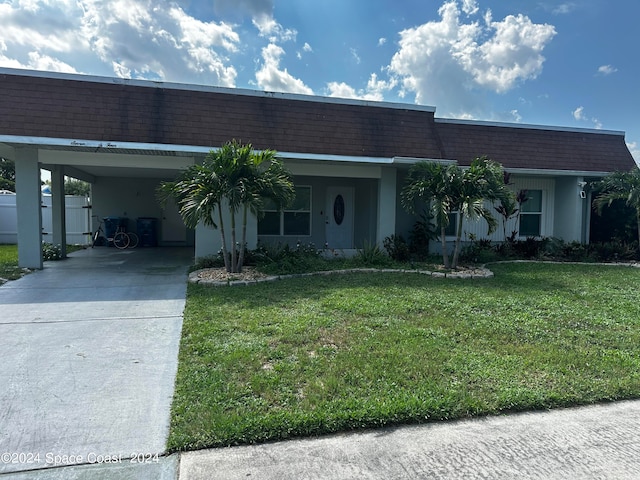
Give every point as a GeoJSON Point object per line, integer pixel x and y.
{"type": "Point", "coordinates": [77, 213]}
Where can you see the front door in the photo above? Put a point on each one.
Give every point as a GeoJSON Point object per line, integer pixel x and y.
{"type": "Point", "coordinates": [339, 217]}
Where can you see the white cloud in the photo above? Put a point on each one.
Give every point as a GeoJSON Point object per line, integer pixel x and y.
{"type": "Point", "coordinates": [606, 70]}
{"type": "Point", "coordinates": [38, 61]}
{"type": "Point", "coordinates": [342, 90]}
{"type": "Point", "coordinates": [271, 78]}
{"type": "Point", "coordinates": [516, 116]}
{"type": "Point", "coordinates": [579, 115]}
{"type": "Point", "coordinates": [442, 61]}
{"type": "Point", "coordinates": [354, 54]}
{"type": "Point", "coordinates": [306, 48]}
{"type": "Point", "coordinates": [272, 30]}
{"type": "Point", "coordinates": [563, 8]}
{"type": "Point", "coordinates": [470, 7]}
{"type": "Point", "coordinates": [511, 55]}
{"type": "Point", "coordinates": [381, 41]}
{"type": "Point", "coordinates": [133, 38]}
{"type": "Point", "coordinates": [374, 91]}
{"type": "Point", "coordinates": [30, 26]}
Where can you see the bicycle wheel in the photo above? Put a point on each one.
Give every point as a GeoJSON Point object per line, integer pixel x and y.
{"type": "Point", "coordinates": [133, 240]}
{"type": "Point", "coordinates": [121, 240]}
{"type": "Point", "coordinates": [95, 238]}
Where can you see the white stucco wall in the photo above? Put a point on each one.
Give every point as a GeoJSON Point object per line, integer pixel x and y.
{"type": "Point", "coordinates": [569, 210]}
{"type": "Point", "coordinates": [209, 241]}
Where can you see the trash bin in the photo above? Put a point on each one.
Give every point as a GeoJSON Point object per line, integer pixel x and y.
{"type": "Point", "coordinates": [147, 231]}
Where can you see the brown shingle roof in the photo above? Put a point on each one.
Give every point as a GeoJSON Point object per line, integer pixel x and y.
{"type": "Point", "coordinates": [34, 104]}
{"type": "Point", "coordinates": [80, 109]}
{"type": "Point", "coordinates": [535, 147]}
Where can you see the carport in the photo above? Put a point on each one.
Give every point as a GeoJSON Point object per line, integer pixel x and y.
{"type": "Point", "coordinates": [123, 176]}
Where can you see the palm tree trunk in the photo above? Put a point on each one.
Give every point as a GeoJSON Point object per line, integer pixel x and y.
{"type": "Point", "coordinates": [243, 240]}
{"type": "Point", "coordinates": [443, 240]}
{"type": "Point", "coordinates": [456, 250]}
{"type": "Point", "coordinates": [234, 255]}
{"type": "Point", "coordinates": [224, 242]}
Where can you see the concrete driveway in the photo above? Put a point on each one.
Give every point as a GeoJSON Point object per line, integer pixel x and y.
{"type": "Point", "coordinates": [88, 350]}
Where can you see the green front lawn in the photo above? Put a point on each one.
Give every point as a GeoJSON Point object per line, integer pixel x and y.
{"type": "Point", "coordinates": [9, 269]}
{"type": "Point", "coordinates": [314, 355]}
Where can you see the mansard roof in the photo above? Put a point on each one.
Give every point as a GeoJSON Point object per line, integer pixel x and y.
{"type": "Point", "coordinates": [76, 107]}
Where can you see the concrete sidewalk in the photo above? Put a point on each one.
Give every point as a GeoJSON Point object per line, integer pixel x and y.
{"type": "Point", "coordinates": [89, 349]}
{"type": "Point", "coordinates": [595, 442]}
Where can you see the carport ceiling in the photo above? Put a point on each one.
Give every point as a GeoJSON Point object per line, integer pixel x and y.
{"type": "Point", "coordinates": [109, 161]}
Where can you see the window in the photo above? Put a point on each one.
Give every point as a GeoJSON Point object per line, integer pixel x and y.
{"type": "Point", "coordinates": [450, 231]}
{"type": "Point", "coordinates": [294, 220]}
{"type": "Point", "coordinates": [531, 214]}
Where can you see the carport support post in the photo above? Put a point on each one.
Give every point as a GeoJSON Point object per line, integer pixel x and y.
{"type": "Point", "coordinates": [386, 204]}
{"type": "Point", "coordinates": [58, 209]}
{"type": "Point", "coordinates": [28, 207]}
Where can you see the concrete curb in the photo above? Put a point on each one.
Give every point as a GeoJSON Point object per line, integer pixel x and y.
{"type": "Point", "coordinates": [480, 272]}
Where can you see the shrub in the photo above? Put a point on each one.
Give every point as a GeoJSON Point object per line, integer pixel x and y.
{"type": "Point", "coordinates": [421, 234]}
{"type": "Point", "coordinates": [480, 251]}
{"type": "Point", "coordinates": [397, 248]}
{"type": "Point", "coordinates": [529, 248]}
{"type": "Point", "coordinates": [51, 252]}
{"type": "Point", "coordinates": [281, 259]}
{"type": "Point", "coordinates": [209, 261]}
{"type": "Point", "coordinates": [576, 252]}
{"type": "Point", "coordinates": [371, 255]}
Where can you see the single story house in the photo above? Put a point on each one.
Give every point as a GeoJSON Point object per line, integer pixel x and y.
{"type": "Point", "coordinates": [349, 158]}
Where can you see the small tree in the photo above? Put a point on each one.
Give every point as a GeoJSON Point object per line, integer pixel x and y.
{"type": "Point", "coordinates": [233, 178]}
{"type": "Point", "coordinates": [481, 182]}
{"type": "Point", "coordinates": [434, 185]}
{"type": "Point", "coordinates": [620, 186]}
{"type": "Point", "coordinates": [448, 189]}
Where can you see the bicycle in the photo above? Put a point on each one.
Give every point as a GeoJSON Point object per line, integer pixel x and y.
{"type": "Point", "coordinates": [121, 238]}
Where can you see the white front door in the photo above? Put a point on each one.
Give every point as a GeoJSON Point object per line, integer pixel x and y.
{"type": "Point", "coordinates": [339, 217]}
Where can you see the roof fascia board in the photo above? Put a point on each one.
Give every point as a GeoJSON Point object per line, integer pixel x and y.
{"type": "Point", "coordinates": [318, 157]}
{"type": "Point", "coordinates": [414, 160]}
{"type": "Point", "coordinates": [211, 89]}
{"type": "Point", "coordinates": [190, 150]}
{"type": "Point", "coordinates": [524, 126]}
{"type": "Point", "coordinates": [71, 144]}
{"type": "Point", "coordinates": [555, 173]}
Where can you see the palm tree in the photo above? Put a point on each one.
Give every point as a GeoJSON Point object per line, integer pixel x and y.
{"type": "Point", "coordinates": [449, 189]}
{"type": "Point", "coordinates": [483, 181]}
{"type": "Point", "coordinates": [434, 185]}
{"type": "Point", "coordinates": [267, 178]}
{"type": "Point", "coordinates": [620, 186]}
{"type": "Point", "coordinates": [233, 177]}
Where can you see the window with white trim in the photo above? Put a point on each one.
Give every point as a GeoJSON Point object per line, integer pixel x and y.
{"type": "Point", "coordinates": [531, 215]}
{"type": "Point", "coordinates": [294, 220]}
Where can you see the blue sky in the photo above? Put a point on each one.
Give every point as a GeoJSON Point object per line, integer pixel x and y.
{"type": "Point", "coordinates": [572, 63]}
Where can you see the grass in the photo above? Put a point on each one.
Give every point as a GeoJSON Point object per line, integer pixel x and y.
{"type": "Point", "coordinates": [316, 355]}
{"type": "Point", "coordinates": [9, 269]}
